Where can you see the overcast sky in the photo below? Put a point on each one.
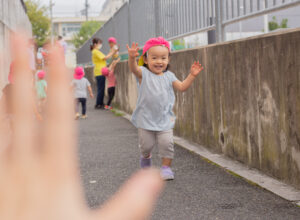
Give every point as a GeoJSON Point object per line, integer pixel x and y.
{"type": "Point", "coordinates": [71, 7]}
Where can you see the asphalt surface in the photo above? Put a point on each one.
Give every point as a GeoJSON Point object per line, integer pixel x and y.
{"type": "Point", "coordinates": [109, 154]}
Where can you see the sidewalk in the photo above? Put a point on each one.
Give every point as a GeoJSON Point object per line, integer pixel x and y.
{"type": "Point", "coordinates": [109, 155]}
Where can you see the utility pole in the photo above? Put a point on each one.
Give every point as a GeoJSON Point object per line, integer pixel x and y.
{"type": "Point", "coordinates": [266, 20]}
{"type": "Point", "coordinates": [87, 10]}
{"type": "Point", "coordinates": [51, 19]}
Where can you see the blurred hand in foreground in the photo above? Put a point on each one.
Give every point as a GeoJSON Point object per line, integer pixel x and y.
{"type": "Point", "coordinates": [39, 176]}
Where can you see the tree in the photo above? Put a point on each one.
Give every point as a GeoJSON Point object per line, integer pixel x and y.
{"type": "Point", "coordinates": [39, 19]}
{"type": "Point", "coordinates": [86, 31]}
{"type": "Point", "coordinates": [273, 25]}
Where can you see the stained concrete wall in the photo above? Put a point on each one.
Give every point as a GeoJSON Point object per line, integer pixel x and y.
{"type": "Point", "coordinates": [245, 104]}
{"type": "Point", "coordinates": [12, 17]}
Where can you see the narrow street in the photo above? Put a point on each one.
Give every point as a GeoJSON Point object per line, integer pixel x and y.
{"type": "Point", "coordinates": [109, 155]}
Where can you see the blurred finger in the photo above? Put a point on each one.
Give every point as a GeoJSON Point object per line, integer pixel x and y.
{"type": "Point", "coordinates": [4, 122]}
{"type": "Point", "coordinates": [59, 132]}
{"type": "Point", "coordinates": [136, 198]}
{"type": "Point", "coordinates": [22, 99]}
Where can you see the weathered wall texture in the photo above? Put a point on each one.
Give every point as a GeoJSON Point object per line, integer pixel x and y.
{"type": "Point", "coordinates": [126, 92]}
{"type": "Point", "coordinates": [12, 17]}
{"type": "Point", "coordinates": [245, 104]}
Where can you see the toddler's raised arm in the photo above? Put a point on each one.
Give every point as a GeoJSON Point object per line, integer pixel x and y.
{"type": "Point", "coordinates": [133, 53]}
{"type": "Point", "coordinates": [183, 86]}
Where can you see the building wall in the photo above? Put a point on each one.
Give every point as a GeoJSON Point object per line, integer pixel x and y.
{"type": "Point", "coordinates": [245, 104]}
{"type": "Point", "coordinates": [12, 17]}
{"type": "Point", "coordinates": [111, 6]}
{"type": "Point", "coordinates": [71, 22]}
{"type": "Point", "coordinates": [74, 23]}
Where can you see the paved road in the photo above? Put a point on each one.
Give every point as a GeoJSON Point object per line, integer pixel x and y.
{"type": "Point", "coordinates": [109, 155]}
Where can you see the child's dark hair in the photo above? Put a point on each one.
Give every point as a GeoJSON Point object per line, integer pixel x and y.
{"type": "Point", "coordinates": [95, 41]}
{"type": "Point", "coordinates": [146, 65]}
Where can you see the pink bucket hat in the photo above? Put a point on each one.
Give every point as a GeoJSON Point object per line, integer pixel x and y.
{"type": "Point", "coordinates": [105, 71]}
{"type": "Point", "coordinates": [112, 40]}
{"type": "Point", "coordinates": [41, 74]}
{"type": "Point", "coordinates": [159, 41]}
{"type": "Point", "coordinates": [78, 73]}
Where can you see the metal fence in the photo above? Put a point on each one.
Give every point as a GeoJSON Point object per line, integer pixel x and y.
{"type": "Point", "coordinates": [138, 20]}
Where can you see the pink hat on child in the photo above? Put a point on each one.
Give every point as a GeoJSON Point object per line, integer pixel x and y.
{"type": "Point", "coordinates": [158, 41]}
{"type": "Point", "coordinates": [78, 73]}
{"type": "Point", "coordinates": [41, 74]}
{"type": "Point", "coordinates": [112, 40]}
{"type": "Point", "coordinates": [105, 71]}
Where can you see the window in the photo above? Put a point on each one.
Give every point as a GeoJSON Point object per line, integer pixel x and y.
{"type": "Point", "coordinates": [69, 29]}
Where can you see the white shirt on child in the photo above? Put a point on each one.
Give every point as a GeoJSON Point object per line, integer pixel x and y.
{"type": "Point", "coordinates": [156, 99]}
{"type": "Point", "coordinates": [80, 87]}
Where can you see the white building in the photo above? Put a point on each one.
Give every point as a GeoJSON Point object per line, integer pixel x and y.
{"type": "Point", "coordinates": [111, 6]}
{"type": "Point", "coordinates": [67, 27]}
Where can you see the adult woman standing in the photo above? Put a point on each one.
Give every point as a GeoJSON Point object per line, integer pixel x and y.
{"type": "Point", "coordinates": [99, 61]}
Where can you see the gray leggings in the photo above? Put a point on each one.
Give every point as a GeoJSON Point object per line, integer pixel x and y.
{"type": "Point", "coordinates": [163, 139]}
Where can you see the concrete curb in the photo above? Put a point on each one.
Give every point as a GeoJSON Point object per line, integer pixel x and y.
{"type": "Point", "coordinates": [251, 175]}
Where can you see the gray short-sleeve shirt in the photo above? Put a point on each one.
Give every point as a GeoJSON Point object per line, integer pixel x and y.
{"type": "Point", "coordinates": [80, 87]}
{"type": "Point", "coordinates": [156, 99]}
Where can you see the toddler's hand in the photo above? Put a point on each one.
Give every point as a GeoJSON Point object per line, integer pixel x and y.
{"type": "Point", "coordinates": [134, 50]}
{"type": "Point", "coordinates": [196, 68]}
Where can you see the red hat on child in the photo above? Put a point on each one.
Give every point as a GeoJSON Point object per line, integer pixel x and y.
{"type": "Point", "coordinates": [41, 74]}
{"type": "Point", "coordinates": [105, 71]}
{"type": "Point", "coordinates": [78, 73]}
{"type": "Point", "coordinates": [112, 40]}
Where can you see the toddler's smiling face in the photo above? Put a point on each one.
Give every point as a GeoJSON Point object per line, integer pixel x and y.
{"type": "Point", "coordinates": [157, 59]}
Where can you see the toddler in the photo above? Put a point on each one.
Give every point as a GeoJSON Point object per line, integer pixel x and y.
{"type": "Point", "coordinates": [154, 115]}
{"type": "Point", "coordinates": [41, 89]}
{"type": "Point", "coordinates": [113, 47]}
{"type": "Point", "coordinates": [109, 73]}
{"type": "Point", "coordinates": [81, 85]}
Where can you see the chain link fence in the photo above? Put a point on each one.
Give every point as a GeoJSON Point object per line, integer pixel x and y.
{"type": "Point", "coordinates": [139, 20]}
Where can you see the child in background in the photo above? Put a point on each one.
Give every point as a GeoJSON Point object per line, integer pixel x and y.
{"type": "Point", "coordinates": [41, 89]}
{"type": "Point", "coordinates": [154, 115]}
{"type": "Point", "coordinates": [7, 96]}
{"type": "Point", "coordinates": [81, 85]}
{"type": "Point", "coordinates": [113, 47]}
{"type": "Point", "coordinates": [111, 85]}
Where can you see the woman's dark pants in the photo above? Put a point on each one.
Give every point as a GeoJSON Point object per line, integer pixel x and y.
{"type": "Point", "coordinates": [100, 90]}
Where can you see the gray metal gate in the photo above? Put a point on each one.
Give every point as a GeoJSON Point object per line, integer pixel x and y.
{"type": "Point", "coordinates": [139, 20]}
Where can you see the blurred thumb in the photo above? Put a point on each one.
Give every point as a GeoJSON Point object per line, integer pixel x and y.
{"type": "Point", "coordinates": [136, 198]}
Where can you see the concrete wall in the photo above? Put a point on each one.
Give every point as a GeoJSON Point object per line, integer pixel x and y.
{"type": "Point", "coordinates": [12, 17]}
{"type": "Point", "coordinates": [245, 104]}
